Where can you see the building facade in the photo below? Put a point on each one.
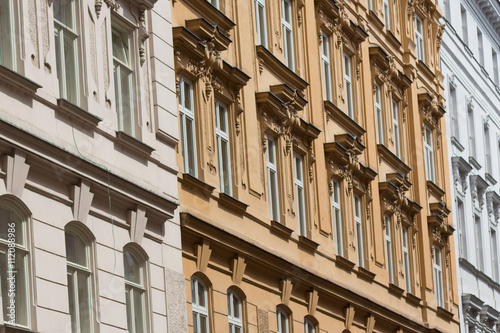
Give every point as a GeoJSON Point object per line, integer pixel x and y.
{"type": "Point", "coordinates": [469, 58]}
{"type": "Point", "coordinates": [89, 229]}
{"type": "Point", "coordinates": [313, 187]}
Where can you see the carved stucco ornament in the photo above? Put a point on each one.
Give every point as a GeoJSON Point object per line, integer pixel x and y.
{"type": "Point", "coordinates": [113, 4]}
{"type": "Point", "coordinates": [143, 35]}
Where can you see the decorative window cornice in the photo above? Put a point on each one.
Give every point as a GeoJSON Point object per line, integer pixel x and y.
{"type": "Point", "coordinates": [493, 204]}
{"type": "Point", "coordinates": [461, 170]}
{"type": "Point", "coordinates": [478, 187]}
{"type": "Point", "coordinates": [471, 305]}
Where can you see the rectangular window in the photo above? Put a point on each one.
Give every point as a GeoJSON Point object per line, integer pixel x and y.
{"type": "Point", "coordinates": [223, 148]}
{"type": "Point", "coordinates": [406, 259]}
{"type": "Point", "coordinates": [299, 194]}
{"type": "Point", "coordinates": [471, 130]}
{"type": "Point", "coordinates": [479, 242]}
{"type": "Point", "coordinates": [447, 9]}
{"type": "Point", "coordinates": [234, 313]}
{"type": "Point", "coordinates": [282, 319]}
{"type": "Point", "coordinates": [187, 124]}
{"type": "Point", "coordinates": [378, 111]}
{"type": "Point", "coordinates": [387, 15]}
{"type": "Point", "coordinates": [260, 22]}
{"type": "Point", "coordinates": [494, 59]}
{"type": "Point", "coordinates": [465, 35]}
{"type": "Point", "coordinates": [438, 276]}
{"type": "Point", "coordinates": [124, 90]}
{"type": "Point", "coordinates": [429, 153]}
{"type": "Point", "coordinates": [452, 104]}
{"type": "Point", "coordinates": [487, 150]}
{"type": "Point", "coordinates": [359, 230]}
{"type": "Point", "coordinates": [272, 179]}
{"type": "Point", "coordinates": [200, 303]}
{"type": "Point", "coordinates": [287, 25]}
{"type": "Point", "coordinates": [135, 292]}
{"type": "Point", "coordinates": [395, 128]}
{"type": "Point", "coordinates": [325, 60]}
{"type": "Point", "coordinates": [462, 239]}
{"type": "Point", "coordinates": [66, 47]}
{"type": "Point", "coordinates": [214, 3]}
{"type": "Point", "coordinates": [7, 34]}
{"type": "Point", "coordinates": [348, 85]}
{"type": "Point", "coordinates": [337, 216]}
{"type": "Point", "coordinates": [494, 255]}
{"type": "Point", "coordinates": [388, 248]}
{"type": "Point", "coordinates": [419, 38]}
{"type": "Point", "coordinates": [370, 4]}
{"type": "Point", "coordinates": [480, 49]}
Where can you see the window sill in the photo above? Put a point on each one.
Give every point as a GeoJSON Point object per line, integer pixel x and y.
{"type": "Point", "coordinates": [212, 15]}
{"type": "Point", "coordinates": [76, 112]}
{"type": "Point", "coordinates": [393, 39]}
{"type": "Point", "coordinates": [474, 163]}
{"type": "Point", "coordinates": [344, 120]}
{"type": "Point", "coordinates": [394, 161]}
{"type": "Point", "coordinates": [396, 290]}
{"type": "Point", "coordinates": [307, 243]}
{"type": "Point", "coordinates": [490, 178]}
{"type": "Point", "coordinates": [12, 329]}
{"type": "Point", "coordinates": [372, 17]}
{"type": "Point", "coordinates": [186, 178]}
{"type": "Point", "coordinates": [366, 274]}
{"type": "Point", "coordinates": [16, 79]}
{"type": "Point", "coordinates": [344, 263]}
{"type": "Point", "coordinates": [134, 144]}
{"type": "Point", "coordinates": [456, 143]}
{"type": "Point", "coordinates": [281, 229]}
{"type": "Point", "coordinates": [234, 204]}
{"type": "Point", "coordinates": [443, 313]}
{"type": "Point", "coordinates": [410, 298]}
{"type": "Point", "coordinates": [422, 66]}
{"type": "Point", "coordinates": [435, 190]}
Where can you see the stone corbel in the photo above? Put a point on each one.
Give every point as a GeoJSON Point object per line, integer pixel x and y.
{"type": "Point", "coordinates": [143, 35]}
{"type": "Point", "coordinates": [349, 316]}
{"type": "Point", "coordinates": [16, 172]}
{"type": "Point", "coordinates": [286, 287]}
{"type": "Point", "coordinates": [239, 267]}
{"type": "Point", "coordinates": [113, 4]}
{"type": "Point", "coordinates": [370, 323]}
{"type": "Point", "coordinates": [203, 253]}
{"type": "Point", "coordinates": [486, 121]}
{"type": "Point", "coordinates": [138, 221]}
{"type": "Point", "coordinates": [470, 103]}
{"type": "Point", "coordinates": [82, 200]}
{"type": "Point", "coordinates": [312, 301]}
{"type": "Point", "coordinates": [97, 5]}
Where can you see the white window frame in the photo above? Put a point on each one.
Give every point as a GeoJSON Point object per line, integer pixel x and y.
{"type": "Point", "coordinates": [186, 113]}
{"type": "Point", "coordinates": [438, 276]}
{"type": "Point", "coordinates": [452, 105]}
{"type": "Point", "coordinates": [298, 168]}
{"type": "Point", "coordinates": [396, 128]}
{"type": "Point", "coordinates": [67, 76]}
{"type": "Point", "coordinates": [380, 116]}
{"type": "Point", "coordinates": [494, 254]}
{"type": "Point", "coordinates": [280, 315]}
{"type": "Point", "coordinates": [272, 179]}
{"type": "Point", "coordinates": [429, 153]}
{"type": "Point", "coordinates": [359, 229]}
{"type": "Point", "coordinates": [487, 151]}
{"type": "Point", "coordinates": [480, 47]}
{"type": "Point", "coordinates": [387, 15]}
{"type": "Point", "coordinates": [478, 237]}
{"type": "Point", "coordinates": [214, 3]}
{"type": "Point", "coordinates": [222, 137]}
{"type": "Point", "coordinates": [200, 312]}
{"type": "Point", "coordinates": [471, 132]}
{"type": "Point", "coordinates": [494, 59]}
{"type": "Point", "coordinates": [419, 38]}
{"type": "Point", "coordinates": [309, 327]}
{"type": "Point", "coordinates": [326, 68]}
{"type": "Point", "coordinates": [8, 34]}
{"type": "Point", "coordinates": [406, 258]}
{"type": "Point", "coordinates": [235, 323]}
{"type": "Point", "coordinates": [462, 233]}
{"type": "Point", "coordinates": [388, 248]}
{"type": "Point", "coordinates": [132, 290]}
{"type": "Point", "coordinates": [287, 26]}
{"type": "Point", "coordinates": [337, 216]}
{"type": "Point", "coordinates": [465, 30]}
{"type": "Point", "coordinates": [348, 85]}
{"type": "Point", "coordinates": [260, 22]}
{"type": "Point", "coordinates": [123, 69]}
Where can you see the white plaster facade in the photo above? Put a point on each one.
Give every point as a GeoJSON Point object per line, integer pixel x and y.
{"type": "Point", "coordinates": [75, 169]}
{"type": "Point", "coordinates": [469, 61]}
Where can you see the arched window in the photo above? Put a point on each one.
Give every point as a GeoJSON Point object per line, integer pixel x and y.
{"type": "Point", "coordinates": [309, 327]}
{"type": "Point", "coordinates": [200, 306]}
{"type": "Point", "coordinates": [79, 282]}
{"type": "Point", "coordinates": [135, 292]}
{"type": "Point", "coordinates": [283, 321]}
{"type": "Point", "coordinates": [234, 312]}
{"type": "Point", "coordinates": [14, 271]}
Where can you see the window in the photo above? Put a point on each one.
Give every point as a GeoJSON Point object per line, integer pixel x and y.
{"type": "Point", "coordinates": [447, 8]}
{"type": "Point", "coordinates": [452, 103]}
{"type": "Point", "coordinates": [299, 194]}
{"type": "Point", "coordinates": [200, 305]}
{"type": "Point", "coordinates": [494, 59]}
{"type": "Point", "coordinates": [395, 128]}
{"type": "Point", "coordinates": [438, 277]}
{"type": "Point", "coordinates": [359, 230]}
{"type": "Point", "coordinates": [480, 50]}
{"type": "Point", "coordinates": [282, 318]}
{"type": "Point", "coordinates": [337, 216]}
{"type": "Point", "coordinates": [260, 22]}
{"type": "Point", "coordinates": [370, 4]}
{"type": "Point", "coordinates": [419, 38]}
{"type": "Point", "coordinates": [378, 110]}
{"type": "Point", "coordinates": [348, 85]}
{"type": "Point", "coordinates": [462, 240]}
{"type": "Point", "coordinates": [79, 283]}
{"type": "Point", "coordinates": [387, 15]}
{"type": "Point", "coordinates": [487, 150]}
{"type": "Point", "coordinates": [188, 136]}
{"type": "Point", "coordinates": [7, 34]}
{"type": "Point", "coordinates": [494, 255]}
{"type": "Point", "coordinates": [234, 313]}
{"type": "Point", "coordinates": [272, 179]}
{"type": "Point", "coordinates": [406, 259]}
{"type": "Point", "coordinates": [429, 153]}
{"type": "Point", "coordinates": [124, 91]}
{"type": "Point", "coordinates": [309, 326]}
{"type": "Point", "coordinates": [465, 35]}
{"type": "Point", "coordinates": [325, 60]}
{"type": "Point", "coordinates": [214, 3]}
{"type": "Point", "coordinates": [470, 128]}
{"type": "Point", "coordinates": [135, 292]}
{"type": "Point", "coordinates": [66, 47]}
{"type": "Point", "coordinates": [479, 242]}
{"type": "Point", "coordinates": [388, 248]}
{"type": "Point", "coordinates": [13, 227]}
{"type": "Point", "coordinates": [223, 149]}
{"type": "Point", "coordinates": [286, 20]}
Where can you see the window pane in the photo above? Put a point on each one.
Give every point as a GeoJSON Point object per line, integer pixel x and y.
{"type": "Point", "coordinates": [76, 250]}
{"type": "Point", "coordinates": [203, 324]}
{"type": "Point", "coordinates": [72, 301]}
{"type": "Point", "coordinates": [190, 145]}
{"type": "Point", "coordinates": [139, 308]}
{"type": "Point", "coordinates": [120, 47]}
{"type": "Point", "coordinates": [63, 12]}
{"type": "Point", "coordinates": [236, 307]}
{"type": "Point", "coordinates": [84, 303]}
{"type": "Point", "coordinates": [132, 267]}
{"type": "Point", "coordinates": [201, 295]}
{"type": "Point", "coordinates": [129, 304]}
{"type": "Point", "coordinates": [125, 94]}
{"type": "Point", "coordinates": [70, 65]}
{"type": "Point", "coordinates": [7, 34]}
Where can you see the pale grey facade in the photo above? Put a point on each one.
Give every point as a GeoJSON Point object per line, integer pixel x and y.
{"type": "Point", "coordinates": [470, 65]}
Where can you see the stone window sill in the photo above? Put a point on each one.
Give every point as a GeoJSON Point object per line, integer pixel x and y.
{"type": "Point", "coordinates": [75, 112]}
{"type": "Point", "coordinates": [133, 144]}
